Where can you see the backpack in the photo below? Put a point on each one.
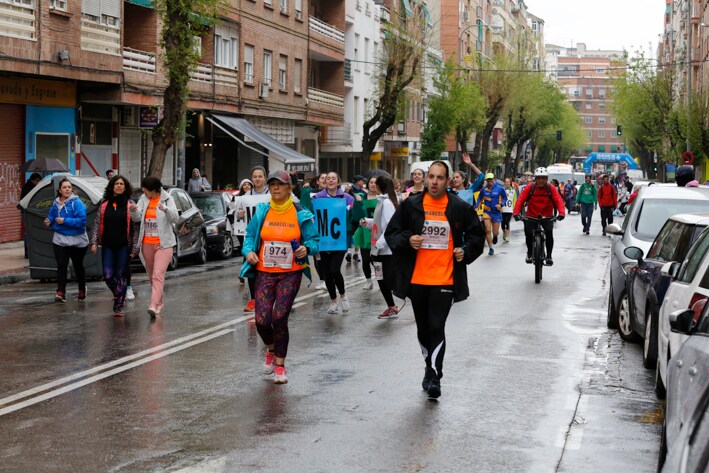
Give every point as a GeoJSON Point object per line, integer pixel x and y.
{"type": "Point", "coordinates": [532, 194]}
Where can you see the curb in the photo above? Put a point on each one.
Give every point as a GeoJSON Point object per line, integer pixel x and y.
{"type": "Point", "coordinates": [12, 278]}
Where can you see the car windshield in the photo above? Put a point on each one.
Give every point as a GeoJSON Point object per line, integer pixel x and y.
{"type": "Point", "coordinates": [211, 206]}
{"type": "Point", "coordinates": [655, 212]}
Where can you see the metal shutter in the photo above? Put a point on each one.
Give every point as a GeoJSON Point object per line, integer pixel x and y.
{"type": "Point", "coordinates": [12, 155]}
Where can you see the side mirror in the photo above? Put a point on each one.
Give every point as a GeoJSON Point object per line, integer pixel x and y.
{"type": "Point", "coordinates": [670, 269]}
{"type": "Point", "coordinates": [633, 252]}
{"type": "Point", "coordinates": [681, 321]}
{"type": "Point", "coordinates": [179, 213]}
{"type": "Point", "coordinates": [614, 229]}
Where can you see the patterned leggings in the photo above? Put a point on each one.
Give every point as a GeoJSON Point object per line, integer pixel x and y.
{"type": "Point", "coordinates": [275, 293]}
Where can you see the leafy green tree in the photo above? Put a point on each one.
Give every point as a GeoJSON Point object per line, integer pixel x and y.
{"type": "Point", "coordinates": [548, 149]}
{"type": "Point", "coordinates": [182, 22]}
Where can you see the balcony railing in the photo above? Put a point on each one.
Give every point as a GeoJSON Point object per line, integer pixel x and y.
{"type": "Point", "coordinates": [337, 135]}
{"type": "Point", "coordinates": [136, 60]}
{"type": "Point", "coordinates": [203, 73]}
{"type": "Point", "coordinates": [348, 70]}
{"type": "Point", "coordinates": [226, 76]}
{"type": "Point", "coordinates": [325, 98]}
{"type": "Point", "coordinates": [324, 29]}
{"type": "Point", "coordinates": [100, 38]}
{"type": "Point", "coordinates": [385, 14]}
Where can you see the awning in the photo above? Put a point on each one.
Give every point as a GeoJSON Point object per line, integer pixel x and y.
{"type": "Point", "coordinates": [233, 125]}
{"type": "Point", "coordinates": [143, 3]}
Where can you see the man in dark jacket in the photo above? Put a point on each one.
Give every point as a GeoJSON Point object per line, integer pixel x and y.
{"type": "Point", "coordinates": [433, 235]}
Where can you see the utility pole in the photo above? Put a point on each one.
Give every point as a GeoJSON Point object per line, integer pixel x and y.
{"type": "Point", "coordinates": [689, 67]}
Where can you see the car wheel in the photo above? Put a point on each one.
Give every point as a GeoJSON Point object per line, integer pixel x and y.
{"type": "Point", "coordinates": [612, 321]}
{"type": "Point", "coordinates": [228, 247]}
{"type": "Point", "coordinates": [174, 261]}
{"type": "Point", "coordinates": [650, 342]}
{"type": "Point", "coordinates": [625, 329]}
{"type": "Point", "coordinates": [660, 390]}
{"type": "Point", "coordinates": [202, 253]}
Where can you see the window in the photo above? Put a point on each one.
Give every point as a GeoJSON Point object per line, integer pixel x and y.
{"type": "Point", "coordinates": [284, 6]}
{"type": "Point", "coordinates": [297, 75]}
{"type": "Point", "coordinates": [267, 67]}
{"type": "Point", "coordinates": [104, 12]}
{"type": "Point", "coordinates": [601, 134]}
{"type": "Point", "coordinates": [57, 5]}
{"type": "Point", "coordinates": [588, 120]}
{"type": "Point", "coordinates": [589, 134]}
{"type": "Point", "coordinates": [653, 213]}
{"type": "Point", "coordinates": [589, 106]}
{"type": "Point", "coordinates": [602, 106]}
{"type": "Point", "coordinates": [282, 63]}
{"type": "Point", "coordinates": [589, 93]}
{"type": "Point", "coordinates": [299, 9]}
{"type": "Point", "coordinates": [355, 117]}
{"type": "Point", "coordinates": [248, 64]}
{"type": "Point", "coordinates": [694, 259]}
{"type": "Point", "coordinates": [17, 19]}
{"type": "Point", "coordinates": [356, 52]}
{"type": "Point", "coordinates": [602, 93]}
{"type": "Point", "coordinates": [602, 120]}
{"type": "Point", "coordinates": [366, 55]}
{"type": "Point", "coordinates": [226, 47]}
{"type": "Point", "coordinates": [50, 145]}
{"type": "Point", "coordinates": [268, 3]}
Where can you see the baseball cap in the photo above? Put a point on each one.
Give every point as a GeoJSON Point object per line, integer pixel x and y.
{"type": "Point", "coordinates": [358, 178]}
{"type": "Point", "coordinates": [279, 175]}
{"type": "Point", "coordinates": [489, 176]}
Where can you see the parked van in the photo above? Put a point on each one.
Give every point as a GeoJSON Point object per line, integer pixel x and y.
{"type": "Point", "coordinates": [424, 165]}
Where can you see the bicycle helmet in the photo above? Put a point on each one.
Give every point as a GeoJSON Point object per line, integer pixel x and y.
{"type": "Point", "coordinates": [541, 172]}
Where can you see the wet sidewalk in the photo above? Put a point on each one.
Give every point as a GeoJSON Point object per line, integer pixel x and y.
{"type": "Point", "coordinates": [13, 265]}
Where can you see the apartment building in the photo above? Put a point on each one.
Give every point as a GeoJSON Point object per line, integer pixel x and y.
{"type": "Point", "coordinates": [77, 84]}
{"type": "Point", "coordinates": [583, 75]}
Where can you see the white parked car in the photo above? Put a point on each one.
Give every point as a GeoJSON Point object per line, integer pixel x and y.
{"type": "Point", "coordinates": [689, 289]}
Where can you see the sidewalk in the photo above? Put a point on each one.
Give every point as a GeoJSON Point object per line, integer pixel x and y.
{"type": "Point", "coordinates": [13, 265]}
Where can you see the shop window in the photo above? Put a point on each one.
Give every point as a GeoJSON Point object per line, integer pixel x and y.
{"type": "Point", "coordinates": [52, 145]}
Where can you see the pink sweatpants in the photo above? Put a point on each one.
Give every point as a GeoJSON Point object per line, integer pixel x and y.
{"type": "Point", "coordinates": [157, 260]}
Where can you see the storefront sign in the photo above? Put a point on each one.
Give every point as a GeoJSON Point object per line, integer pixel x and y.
{"type": "Point", "coordinates": [376, 156]}
{"type": "Point", "coordinates": [149, 117]}
{"type": "Point", "coordinates": [37, 92]}
{"type": "Point", "coordinates": [398, 152]}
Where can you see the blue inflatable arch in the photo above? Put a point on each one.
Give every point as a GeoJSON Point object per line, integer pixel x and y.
{"type": "Point", "coordinates": [608, 158]}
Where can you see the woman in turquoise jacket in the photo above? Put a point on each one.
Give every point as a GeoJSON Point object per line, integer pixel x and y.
{"type": "Point", "coordinates": [278, 240]}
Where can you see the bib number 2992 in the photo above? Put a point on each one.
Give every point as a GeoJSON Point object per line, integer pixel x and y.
{"type": "Point", "coordinates": [435, 235]}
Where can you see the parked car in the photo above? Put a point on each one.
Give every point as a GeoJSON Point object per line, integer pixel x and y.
{"type": "Point", "coordinates": [190, 230]}
{"type": "Point", "coordinates": [689, 290]}
{"type": "Point", "coordinates": [649, 212]}
{"type": "Point", "coordinates": [685, 431]}
{"type": "Point", "coordinates": [645, 285]}
{"type": "Point", "coordinates": [218, 211]}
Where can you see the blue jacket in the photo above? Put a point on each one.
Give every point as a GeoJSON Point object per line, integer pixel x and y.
{"type": "Point", "coordinates": [74, 214]}
{"type": "Point", "coordinates": [252, 240]}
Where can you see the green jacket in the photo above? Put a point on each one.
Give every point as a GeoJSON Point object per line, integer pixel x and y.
{"type": "Point", "coordinates": [587, 194]}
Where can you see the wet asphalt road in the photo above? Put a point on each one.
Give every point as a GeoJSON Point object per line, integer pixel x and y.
{"type": "Point", "coordinates": [534, 382]}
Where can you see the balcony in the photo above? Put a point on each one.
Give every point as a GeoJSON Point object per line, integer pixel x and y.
{"type": "Point", "coordinates": [203, 73]}
{"type": "Point", "coordinates": [100, 38]}
{"type": "Point", "coordinates": [322, 28]}
{"type": "Point", "coordinates": [348, 70]}
{"type": "Point", "coordinates": [140, 61]}
{"type": "Point", "coordinates": [322, 97]}
{"type": "Point", "coordinates": [384, 14]}
{"type": "Point", "coordinates": [336, 135]}
{"type": "Point", "coordinates": [226, 76]}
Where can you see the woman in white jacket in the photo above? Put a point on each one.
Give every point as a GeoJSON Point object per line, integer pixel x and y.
{"type": "Point", "coordinates": [381, 253]}
{"type": "Point", "coordinates": [156, 211]}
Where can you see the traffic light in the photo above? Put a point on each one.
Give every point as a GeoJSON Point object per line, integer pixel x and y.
{"type": "Point", "coordinates": [619, 130]}
{"type": "Point", "coordinates": [558, 135]}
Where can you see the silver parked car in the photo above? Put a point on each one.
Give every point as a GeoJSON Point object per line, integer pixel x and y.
{"type": "Point", "coordinates": [648, 213]}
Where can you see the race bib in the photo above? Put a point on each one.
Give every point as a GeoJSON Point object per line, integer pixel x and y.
{"type": "Point", "coordinates": [277, 254]}
{"type": "Point", "coordinates": [435, 234]}
{"type": "Point", "coordinates": [151, 227]}
{"type": "Point", "coordinates": [378, 271]}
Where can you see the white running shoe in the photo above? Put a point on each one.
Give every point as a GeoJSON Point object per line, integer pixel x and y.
{"type": "Point", "coordinates": [332, 309]}
{"type": "Point", "coordinates": [368, 284]}
{"type": "Point", "coordinates": [345, 304]}
{"type": "Point", "coordinates": [321, 285]}
{"type": "Point", "coordinates": [130, 295]}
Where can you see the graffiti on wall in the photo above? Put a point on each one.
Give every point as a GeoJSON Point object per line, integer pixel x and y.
{"type": "Point", "coordinates": [10, 184]}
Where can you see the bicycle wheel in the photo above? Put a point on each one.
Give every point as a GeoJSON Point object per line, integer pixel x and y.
{"type": "Point", "coordinates": [538, 258]}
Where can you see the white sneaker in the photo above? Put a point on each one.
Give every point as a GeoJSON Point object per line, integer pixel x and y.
{"type": "Point", "coordinates": [130, 295]}
{"type": "Point", "coordinates": [332, 309]}
{"type": "Point", "coordinates": [321, 285]}
{"type": "Point", "coordinates": [345, 304]}
{"type": "Point", "coordinates": [368, 284]}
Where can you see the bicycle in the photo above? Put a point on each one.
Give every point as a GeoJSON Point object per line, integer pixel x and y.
{"type": "Point", "coordinates": [539, 246]}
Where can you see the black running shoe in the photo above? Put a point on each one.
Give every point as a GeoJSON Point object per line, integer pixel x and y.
{"type": "Point", "coordinates": [494, 240]}
{"type": "Point", "coordinates": [434, 389]}
{"type": "Point", "coordinates": [428, 376]}
{"type": "Point", "coordinates": [529, 259]}
{"type": "Point", "coordinates": [549, 261]}
{"type": "Point", "coordinates": [348, 258]}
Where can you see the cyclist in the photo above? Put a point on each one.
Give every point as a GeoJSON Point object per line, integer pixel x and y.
{"type": "Point", "coordinates": [540, 198]}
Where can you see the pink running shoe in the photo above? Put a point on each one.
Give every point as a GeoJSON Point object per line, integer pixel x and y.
{"type": "Point", "coordinates": [279, 375]}
{"type": "Point", "coordinates": [270, 361]}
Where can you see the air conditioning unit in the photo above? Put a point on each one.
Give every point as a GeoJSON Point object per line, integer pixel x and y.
{"type": "Point", "coordinates": [262, 90]}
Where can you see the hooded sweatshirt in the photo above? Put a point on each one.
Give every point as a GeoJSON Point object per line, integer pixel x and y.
{"type": "Point", "coordinates": [72, 232]}
{"type": "Point", "coordinates": [196, 183]}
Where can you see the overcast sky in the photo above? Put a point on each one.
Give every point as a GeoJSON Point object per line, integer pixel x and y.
{"type": "Point", "coordinates": [601, 24]}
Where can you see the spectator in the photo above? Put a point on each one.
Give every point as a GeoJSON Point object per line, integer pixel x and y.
{"type": "Point", "coordinates": [684, 177]}
{"type": "Point", "coordinates": [110, 173]}
{"type": "Point", "coordinates": [198, 183]}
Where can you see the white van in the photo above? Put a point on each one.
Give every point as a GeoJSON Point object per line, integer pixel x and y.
{"type": "Point", "coordinates": [424, 165]}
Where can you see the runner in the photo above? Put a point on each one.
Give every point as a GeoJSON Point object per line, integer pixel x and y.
{"type": "Point", "coordinates": [156, 212]}
{"type": "Point", "coordinates": [363, 234]}
{"type": "Point", "coordinates": [587, 199]}
{"type": "Point", "coordinates": [316, 184]}
{"type": "Point", "coordinates": [67, 219]}
{"type": "Point", "coordinates": [258, 179]}
{"type": "Point", "coordinates": [540, 198]}
{"type": "Point", "coordinates": [331, 261]}
{"type": "Point", "coordinates": [512, 193]}
{"type": "Point", "coordinates": [387, 203]}
{"type": "Point", "coordinates": [118, 238]}
{"type": "Point", "coordinates": [433, 236]}
{"type": "Point", "coordinates": [279, 236]}
{"type": "Point", "coordinates": [492, 199]}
